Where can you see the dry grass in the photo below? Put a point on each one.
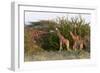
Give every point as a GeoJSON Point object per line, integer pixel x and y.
{"type": "Point", "coordinates": [56, 55]}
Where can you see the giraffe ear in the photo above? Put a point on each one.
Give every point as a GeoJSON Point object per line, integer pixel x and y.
{"type": "Point", "coordinates": [56, 28]}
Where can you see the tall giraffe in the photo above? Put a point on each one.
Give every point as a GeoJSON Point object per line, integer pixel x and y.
{"type": "Point", "coordinates": [62, 40]}
{"type": "Point", "coordinates": [78, 42]}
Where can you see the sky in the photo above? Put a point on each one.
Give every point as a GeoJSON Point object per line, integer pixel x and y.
{"type": "Point", "coordinates": [36, 16]}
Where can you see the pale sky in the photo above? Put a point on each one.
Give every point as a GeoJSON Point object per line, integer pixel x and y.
{"type": "Point", "coordinates": [36, 16]}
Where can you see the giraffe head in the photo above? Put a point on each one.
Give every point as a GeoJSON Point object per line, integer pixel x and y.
{"type": "Point", "coordinates": [56, 29]}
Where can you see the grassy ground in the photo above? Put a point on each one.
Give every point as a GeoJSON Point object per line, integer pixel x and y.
{"type": "Point", "coordinates": [56, 55]}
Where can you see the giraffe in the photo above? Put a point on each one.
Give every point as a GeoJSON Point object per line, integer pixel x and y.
{"type": "Point", "coordinates": [62, 40]}
{"type": "Point", "coordinates": [78, 42]}
{"type": "Point", "coordinates": [37, 35]}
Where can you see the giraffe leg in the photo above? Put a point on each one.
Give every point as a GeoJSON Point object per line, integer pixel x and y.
{"type": "Point", "coordinates": [60, 46]}
{"type": "Point", "coordinates": [81, 46]}
{"type": "Point", "coordinates": [75, 46]}
{"type": "Point", "coordinates": [67, 46]}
